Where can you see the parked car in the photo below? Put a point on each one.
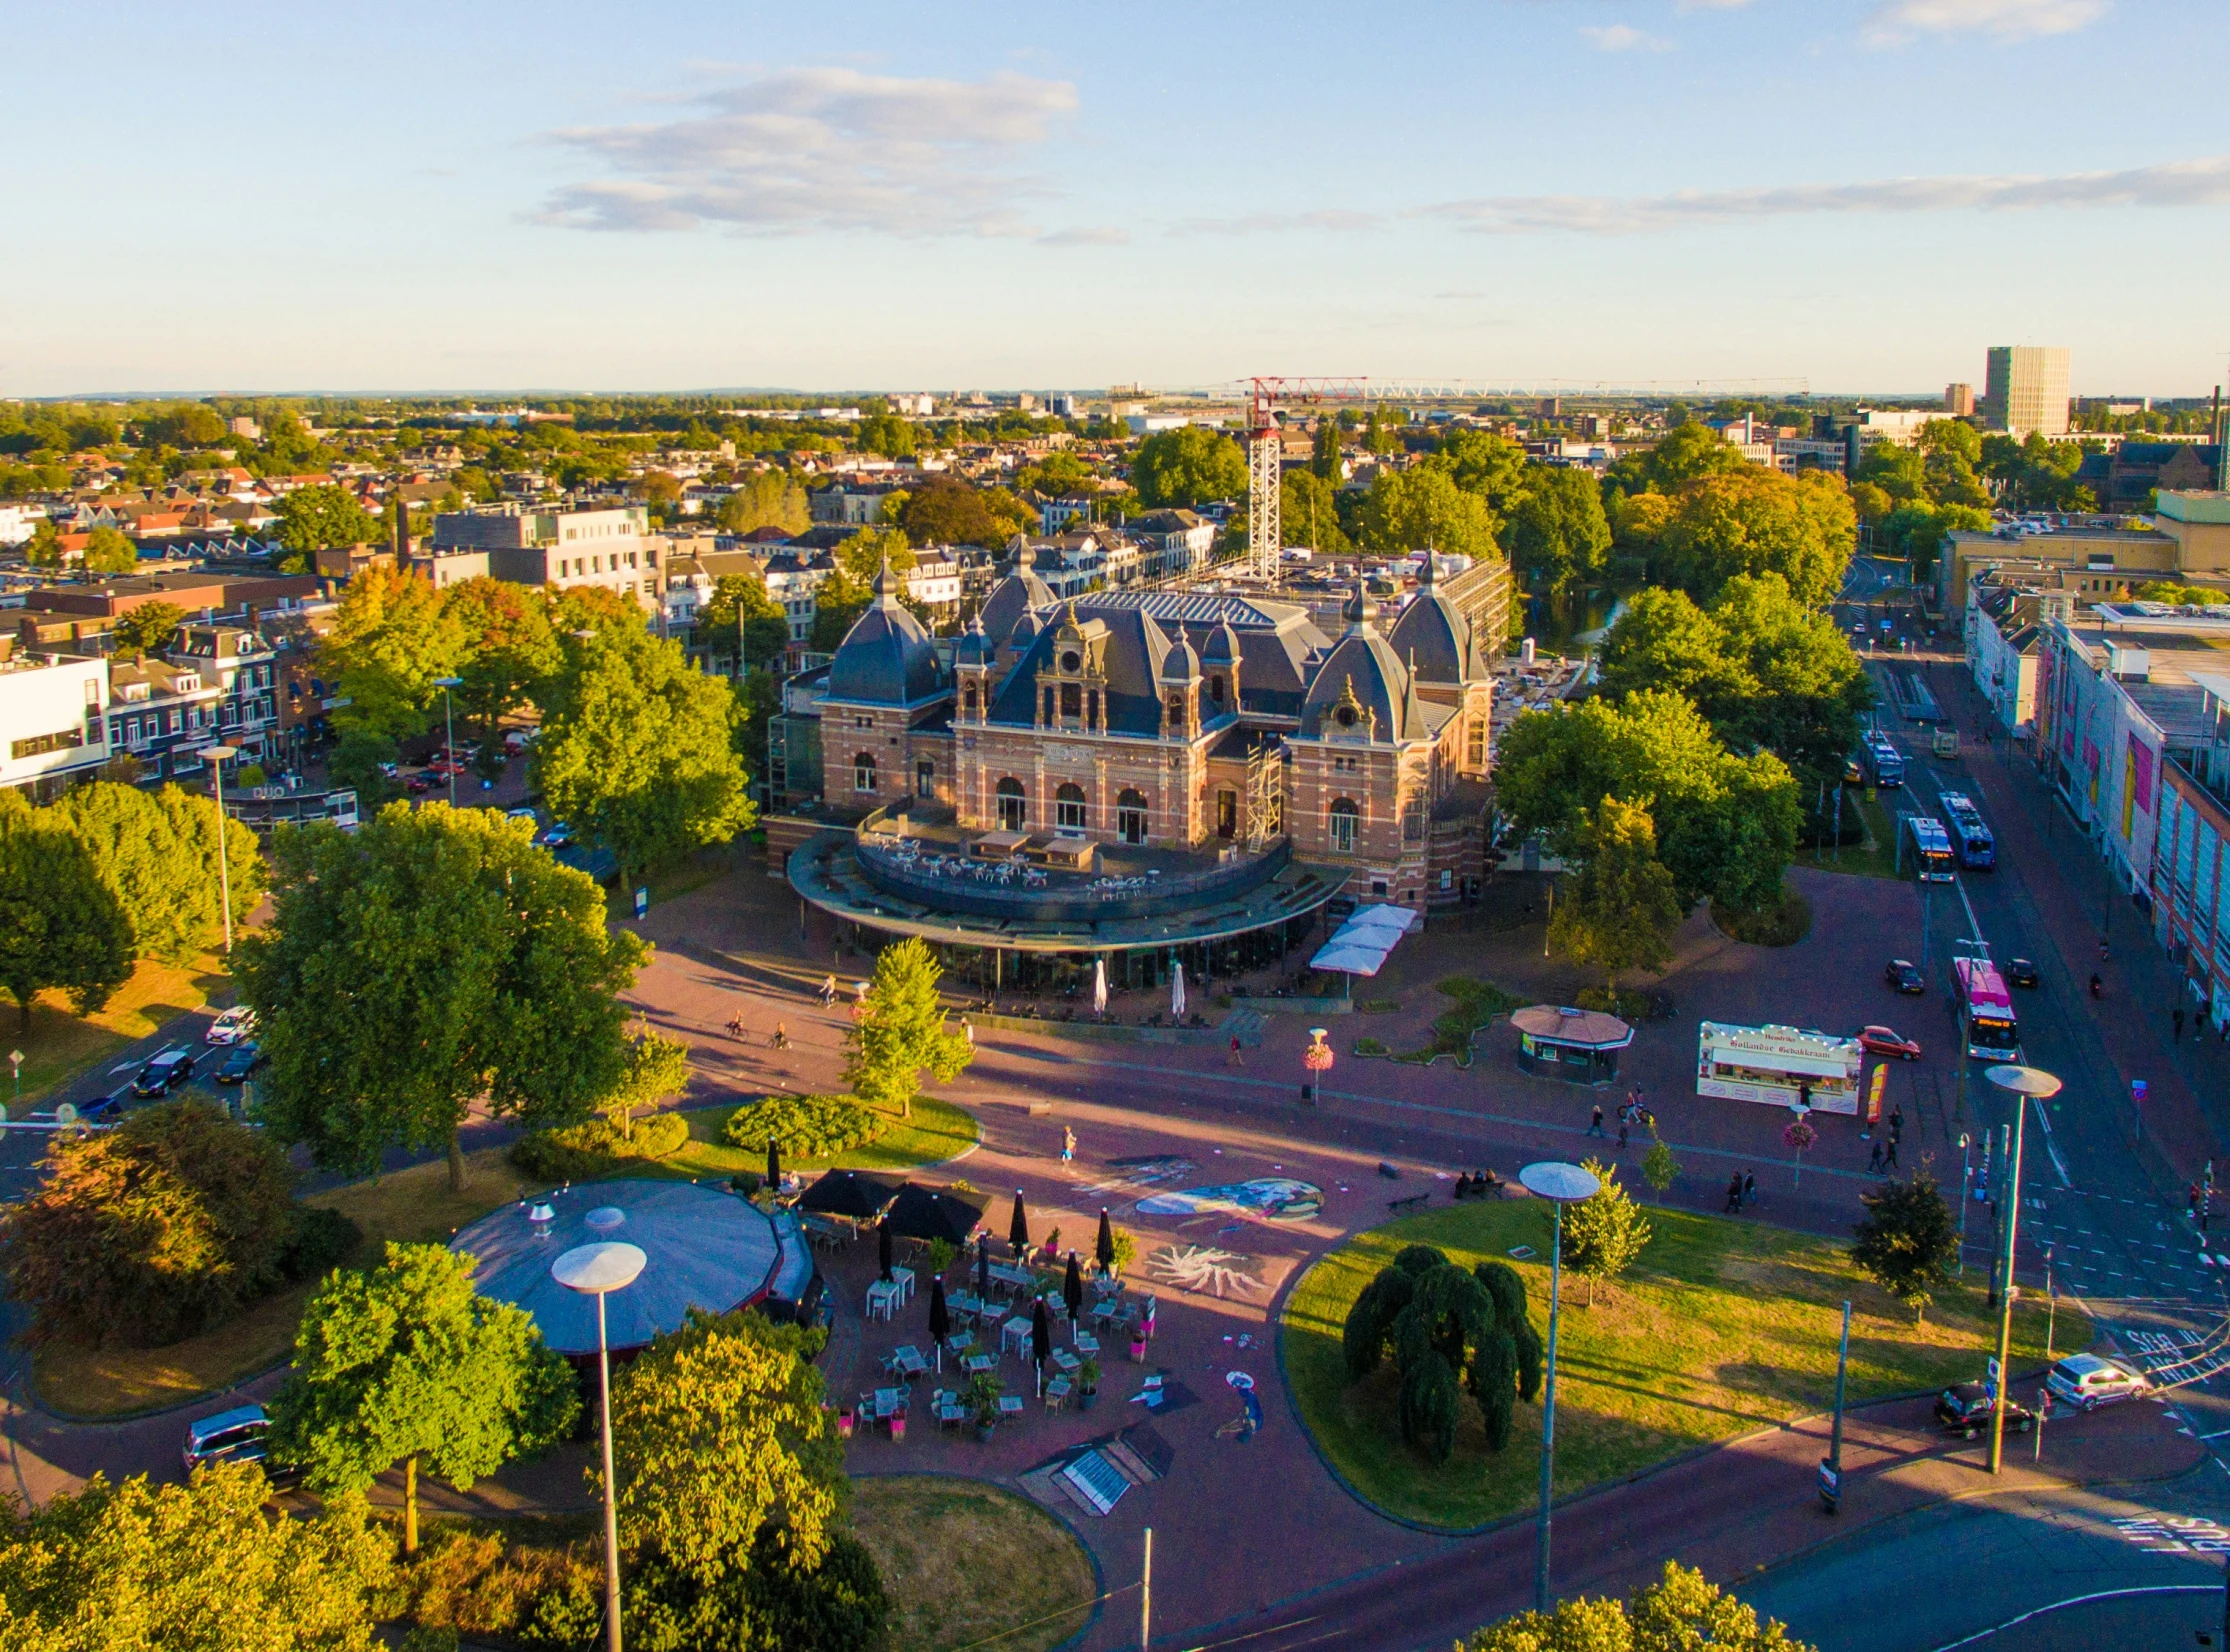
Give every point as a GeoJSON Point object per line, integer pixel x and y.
{"type": "Point", "coordinates": [1965, 1409]}
{"type": "Point", "coordinates": [1886, 1041]}
{"type": "Point", "coordinates": [559, 834]}
{"type": "Point", "coordinates": [2020, 972]}
{"type": "Point", "coordinates": [2087, 1381]}
{"type": "Point", "coordinates": [517, 740]}
{"type": "Point", "coordinates": [419, 784]}
{"type": "Point", "coordinates": [234, 1025]}
{"type": "Point", "coordinates": [244, 1060]}
{"type": "Point", "coordinates": [241, 1435]}
{"type": "Point", "coordinates": [104, 1109]}
{"type": "Point", "coordinates": [167, 1072]}
{"type": "Point", "coordinates": [521, 813]}
{"type": "Point", "coordinates": [1905, 976]}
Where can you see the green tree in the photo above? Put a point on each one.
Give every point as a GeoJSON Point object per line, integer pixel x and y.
{"type": "Point", "coordinates": [1309, 514]}
{"type": "Point", "coordinates": [1690, 451]}
{"type": "Point", "coordinates": [865, 554]}
{"type": "Point", "coordinates": [1189, 466]}
{"type": "Point", "coordinates": [1755, 521]}
{"type": "Point", "coordinates": [1411, 510]}
{"type": "Point", "coordinates": [1679, 1613]}
{"type": "Point", "coordinates": [506, 651]}
{"type": "Point", "coordinates": [450, 926]}
{"type": "Point", "coordinates": [1491, 466]}
{"type": "Point", "coordinates": [169, 1568]}
{"type": "Point", "coordinates": [1441, 1321]}
{"type": "Point", "coordinates": [766, 499]}
{"type": "Point", "coordinates": [1557, 531]}
{"type": "Point", "coordinates": [637, 751]}
{"type": "Point", "coordinates": [392, 635]}
{"type": "Point", "coordinates": [44, 548]}
{"type": "Point", "coordinates": [61, 924]}
{"type": "Point", "coordinates": [946, 511]}
{"type": "Point", "coordinates": [766, 627]}
{"type": "Point", "coordinates": [1659, 1167]}
{"type": "Point", "coordinates": [887, 434]}
{"type": "Point", "coordinates": [324, 518]}
{"type": "Point", "coordinates": [837, 606]}
{"type": "Point", "coordinates": [657, 1070]}
{"type": "Point", "coordinates": [408, 1361]}
{"type": "Point", "coordinates": [1603, 1233]}
{"type": "Point", "coordinates": [194, 822]}
{"type": "Point", "coordinates": [149, 628]}
{"type": "Point", "coordinates": [1324, 453]}
{"type": "Point", "coordinates": [900, 1029]}
{"type": "Point", "coordinates": [107, 551]}
{"type": "Point", "coordinates": [1907, 1242]}
{"type": "Point", "coordinates": [166, 894]}
{"type": "Point", "coordinates": [719, 1434]}
{"type": "Point", "coordinates": [1619, 909]}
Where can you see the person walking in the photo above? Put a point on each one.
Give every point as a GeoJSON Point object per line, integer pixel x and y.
{"type": "Point", "coordinates": [1889, 1159]}
{"type": "Point", "coordinates": [1734, 1195]}
{"type": "Point", "coordinates": [1595, 1123]}
{"type": "Point", "coordinates": [1897, 1121]}
{"type": "Point", "coordinates": [828, 993]}
{"type": "Point", "coordinates": [1068, 1145]}
{"type": "Point", "coordinates": [781, 1038]}
{"type": "Point", "coordinates": [1749, 1187]}
{"type": "Point", "coordinates": [1237, 1060]}
{"type": "Point", "coordinates": [1622, 1129]}
{"type": "Point", "coordinates": [1874, 1160]}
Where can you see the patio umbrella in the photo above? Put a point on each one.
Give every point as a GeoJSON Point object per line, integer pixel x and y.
{"type": "Point", "coordinates": [882, 1245]}
{"type": "Point", "coordinates": [1104, 1251]}
{"type": "Point", "coordinates": [848, 1193]}
{"type": "Point", "coordinates": [983, 1264]}
{"type": "Point", "coordinates": [1041, 1340]}
{"type": "Point", "coordinates": [940, 1317]}
{"type": "Point", "coordinates": [928, 1213]}
{"type": "Point", "coordinates": [774, 1165]}
{"type": "Point", "coordinates": [1072, 1292]}
{"type": "Point", "coordinates": [1018, 1228]}
{"type": "Point", "coordinates": [1177, 994]}
{"type": "Point", "coordinates": [1099, 986]}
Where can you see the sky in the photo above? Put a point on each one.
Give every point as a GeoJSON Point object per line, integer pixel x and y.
{"type": "Point", "coordinates": [1830, 196]}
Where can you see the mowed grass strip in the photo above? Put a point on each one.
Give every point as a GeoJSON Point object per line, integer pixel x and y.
{"type": "Point", "coordinates": [60, 1044]}
{"type": "Point", "coordinates": [936, 1131]}
{"type": "Point", "coordinates": [1722, 1327]}
{"type": "Point", "coordinates": [964, 1561]}
{"type": "Point", "coordinates": [410, 1205]}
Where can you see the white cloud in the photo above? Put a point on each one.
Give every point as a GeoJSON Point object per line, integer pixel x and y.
{"type": "Point", "coordinates": [1085, 235]}
{"type": "Point", "coordinates": [1623, 37]}
{"type": "Point", "coordinates": [807, 150]}
{"type": "Point", "coordinates": [2197, 183]}
{"type": "Point", "coordinates": [1335, 219]}
{"type": "Point", "coordinates": [1893, 21]}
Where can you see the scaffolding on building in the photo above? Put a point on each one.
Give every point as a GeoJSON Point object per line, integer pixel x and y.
{"type": "Point", "coordinates": [1265, 793]}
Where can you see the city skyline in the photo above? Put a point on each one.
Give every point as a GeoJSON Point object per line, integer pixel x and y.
{"type": "Point", "coordinates": [1847, 199]}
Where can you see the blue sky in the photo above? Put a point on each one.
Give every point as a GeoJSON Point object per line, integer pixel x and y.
{"type": "Point", "coordinates": [1833, 194]}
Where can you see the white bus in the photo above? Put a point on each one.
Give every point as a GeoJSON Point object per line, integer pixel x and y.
{"type": "Point", "coordinates": [1778, 1066]}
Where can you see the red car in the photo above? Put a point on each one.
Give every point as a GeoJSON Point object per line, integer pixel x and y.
{"type": "Point", "coordinates": [1884, 1041]}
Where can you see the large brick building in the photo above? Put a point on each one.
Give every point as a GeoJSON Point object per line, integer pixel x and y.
{"type": "Point", "coordinates": [1216, 724]}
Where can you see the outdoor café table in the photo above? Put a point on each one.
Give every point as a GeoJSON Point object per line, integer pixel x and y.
{"type": "Point", "coordinates": [952, 1415]}
{"type": "Point", "coordinates": [1010, 1405]}
{"type": "Point", "coordinates": [1085, 1343]}
{"type": "Point", "coordinates": [977, 1364]}
{"type": "Point", "coordinates": [907, 1361]}
{"type": "Point", "coordinates": [958, 1342]}
{"type": "Point", "coordinates": [1066, 1360]}
{"type": "Point", "coordinates": [903, 1278]}
{"type": "Point", "coordinates": [1015, 1331]}
{"type": "Point", "coordinates": [886, 1403]}
{"type": "Point", "coordinates": [882, 1299]}
{"type": "Point", "coordinates": [1056, 1391]}
{"type": "Point", "coordinates": [1006, 1273]}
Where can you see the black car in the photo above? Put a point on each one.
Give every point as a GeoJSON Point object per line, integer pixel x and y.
{"type": "Point", "coordinates": [104, 1109]}
{"type": "Point", "coordinates": [2019, 972]}
{"type": "Point", "coordinates": [243, 1060]}
{"type": "Point", "coordinates": [1905, 976]}
{"type": "Point", "coordinates": [167, 1072]}
{"type": "Point", "coordinates": [1966, 1410]}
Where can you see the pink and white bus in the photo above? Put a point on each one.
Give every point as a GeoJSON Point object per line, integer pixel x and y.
{"type": "Point", "coordinates": [1986, 1010]}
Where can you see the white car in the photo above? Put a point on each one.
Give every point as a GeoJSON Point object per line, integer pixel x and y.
{"type": "Point", "coordinates": [2087, 1382]}
{"type": "Point", "coordinates": [235, 1024]}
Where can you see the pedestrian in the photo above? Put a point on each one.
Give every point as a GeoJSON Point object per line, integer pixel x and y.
{"type": "Point", "coordinates": [1897, 1121]}
{"type": "Point", "coordinates": [1874, 1160]}
{"type": "Point", "coordinates": [1803, 1096]}
{"type": "Point", "coordinates": [1889, 1159]}
{"type": "Point", "coordinates": [2177, 1021]}
{"type": "Point", "coordinates": [1734, 1195]}
{"type": "Point", "coordinates": [1068, 1145]}
{"type": "Point", "coordinates": [1749, 1187]}
{"type": "Point", "coordinates": [781, 1038]}
{"type": "Point", "coordinates": [2191, 1202]}
{"type": "Point", "coordinates": [1622, 1135]}
{"type": "Point", "coordinates": [1236, 1059]}
{"type": "Point", "coordinates": [1595, 1123]}
{"type": "Point", "coordinates": [828, 992]}
{"type": "Point", "coordinates": [2102, 949]}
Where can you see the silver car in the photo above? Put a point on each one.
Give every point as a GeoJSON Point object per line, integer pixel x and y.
{"type": "Point", "coordinates": [2086, 1382]}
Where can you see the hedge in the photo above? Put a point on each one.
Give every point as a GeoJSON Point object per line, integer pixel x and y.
{"type": "Point", "coordinates": [808, 1127]}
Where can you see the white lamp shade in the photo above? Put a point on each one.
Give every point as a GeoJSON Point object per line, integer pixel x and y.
{"type": "Point", "coordinates": [595, 1270]}
{"type": "Point", "coordinates": [1567, 1184]}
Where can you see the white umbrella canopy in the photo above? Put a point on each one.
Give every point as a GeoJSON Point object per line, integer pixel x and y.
{"type": "Point", "coordinates": [1099, 986]}
{"type": "Point", "coordinates": [1398, 919]}
{"type": "Point", "coordinates": [1357, 956]}
{"type": "Point", "coordinates": [1177, 992]}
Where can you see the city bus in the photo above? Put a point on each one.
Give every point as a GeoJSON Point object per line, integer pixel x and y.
{"type": "Point", "coordinates": [1977, 849]}
{"type": "Point", "coordinates": [1778, 1066]}
{"type": "Point", "coordinates": [1884, 762]}
{"type": "Point", "coordinates": [1985, 1010]}
{"type": "Point", "coordinates": [1930, 848]}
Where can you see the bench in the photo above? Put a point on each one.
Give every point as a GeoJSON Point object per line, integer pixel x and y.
{"type": "Point", "coordinates": [1410, 1203]}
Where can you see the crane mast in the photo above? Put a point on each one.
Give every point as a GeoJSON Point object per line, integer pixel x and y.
{"type": "Point", "coordinates": [1266, 458]}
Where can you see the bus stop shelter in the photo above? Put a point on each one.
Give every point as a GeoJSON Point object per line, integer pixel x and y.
{"type": "Point", "coordinates": [1577, 1046]}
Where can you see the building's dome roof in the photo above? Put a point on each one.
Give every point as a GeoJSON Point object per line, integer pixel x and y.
{"type": "Point", "coordinates": [1017, 594]}
{"type": "Point", "coordinates": [1364, 678]}
{"type": "Point", "coordinates": [1223, 646]}
{"type": "Point", "coordinates": [974, 647]}
{"type": "Point", "coordinates": [1180, 664]}
{"type": "Point", "coordinates": [1433, 633]}
{"type": "Point", "coordinates": [886, 658]}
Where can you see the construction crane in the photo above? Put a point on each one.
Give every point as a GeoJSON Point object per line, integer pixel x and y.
{"type": "Point", "coordinates": [1266, 456]}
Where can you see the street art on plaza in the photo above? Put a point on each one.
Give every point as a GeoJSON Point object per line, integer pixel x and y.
{"type": "Point", "coordinates": [1144, 1170]}
{"type": "Point", "coordinates": [1273, 1198]}
{"type": "Point", "coordinates": [1207, 1270]}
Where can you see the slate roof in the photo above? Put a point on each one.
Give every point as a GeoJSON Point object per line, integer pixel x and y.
{"type": "Point", "coordinates": [886, 658]}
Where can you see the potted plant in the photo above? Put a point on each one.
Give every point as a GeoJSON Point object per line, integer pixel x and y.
{"type": "Point", "coordinates": [982, 1396]}
{"type": "Point", "coordinates": [1087, 1383]}
{"type": "Point", "coordinates": [941, 1254]}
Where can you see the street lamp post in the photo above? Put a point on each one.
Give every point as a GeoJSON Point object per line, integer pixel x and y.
{"type": "Point", "coordinates": [449, 732]}
{"type": "Point", "coordinates": [1561, 1185]}
{"type": "Point", "coordinates": [599, 1270]}
{"type": "Point", "coordinates": [1966, 1192]}
{"type": "Point", "coordinates": [15, 1060]}
{"type": "Point", "coordinates": [217, 756]}
{"type": "Point", "coordinates": [2023, 1083]}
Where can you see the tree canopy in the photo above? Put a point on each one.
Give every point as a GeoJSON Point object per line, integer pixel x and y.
{"type": "Point", "coordinates": [1443, 1324]}
{"type": "Point", "coordinates": [1907, 1242]}
{"type": "Point", "coordinates": [408, 1361]}
{"type": "Point", "coordinates": [506, 649]}
{"type": "Point", "coordinates": [1409, 510]}
{"type": "Point", "coordinates": [1619, 908]}
{"type": "Point", "coordinates": [432, 958]}
{"type": "Point", "coordinates": [392, 635]}
{"type": "Point", "coordinates": [61, 924]}
{"type": "Point", "coordinates": [1750, 520]}
{"type": "Point", "coordinates": [155, 851]}
{"type": "Point", "coordinates": [1603, 1234]}
{"type": "Point", "coordinates": [766, 499]}
{"type": "Point", "coordinates": [1556, 530]}
{"type": "Point", "coordinates": [107, 551]}
{"type": "Point", "coordinates": [324, 518]}
{"type": "Point", "coordinates": [1189, 466]}
{"type": "Point", "coordinates": [899, 1030]}
{"type": "Point", "coordinates": [766, 626]}
{"type": "Point", "coordinates": [944, 510]}
{"type": "Point", "coordinates": [1491, 466]}
{"type": "Point", "coordinates": [149, 629]}
{"type": "Point", "coordinates": [1680, 1612]}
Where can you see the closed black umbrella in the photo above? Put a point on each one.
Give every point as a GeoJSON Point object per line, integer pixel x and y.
{"type": "Point", "coordinates": [1041, 1339]}
{"type": "Point", "coordinates": [983, 1264]}
{"type": "Point", "coordinates": [1072, 1290]}
{"type": "Point", "coordinates": [882, 1245]}
{"type": "Point", "coordinates": [1018, 1230]}
{"type": "Point", "coordinates": [774, 1165]}
{"type": "Point", "coordinates": [1104, 1251]}
{"type": "Point", "coordinates": [940, 1317]}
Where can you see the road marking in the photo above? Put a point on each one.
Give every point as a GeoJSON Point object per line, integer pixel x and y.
{"type": "Point", "coordinates": [2080, 1600]}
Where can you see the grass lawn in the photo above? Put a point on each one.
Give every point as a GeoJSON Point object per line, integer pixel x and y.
{"type": "Point", "coordinates": [1722, 1327]}
{"type": "Point", "coordinates": [61, 1044]}
{"type": "Point", "coordinates": [964, 1561]}
{"type": "Point", "coordinates": [1876, 857]}
{"type": "Point", "coordinates": [937, 1131]}
{"type": "Point", "coordinates": [413, 1204]}
{"type": "Point", "coordinates": [676, 877]}
{"type": "Point", "coordinates": [1476, 1004]}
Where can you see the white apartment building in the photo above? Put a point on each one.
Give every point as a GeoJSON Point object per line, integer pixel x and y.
{"type": "Point", "coordinates": [2025, 388]}
{"type": "Point", "coordinates": [561, 549]}
{"type": "Point", "coordinates": [53, 718]}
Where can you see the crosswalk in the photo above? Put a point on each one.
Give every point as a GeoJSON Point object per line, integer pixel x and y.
{"type": "Point", "coordinates": [2108, 1245]}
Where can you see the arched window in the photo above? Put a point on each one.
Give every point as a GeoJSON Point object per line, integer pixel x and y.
{"type": "Point", "coordinates": [1227, 813]}
{"type": "Point", "coordinates": [1215, 690]}
{"type": "Point", "coordinates": [1011, 808]}
{"type": "Point", "coordinates": [1345, 818]}
{"type": "Point", "coordinates": [968, 699]}
{"type": "Point", "coordinates": [863, 772]}
{"type": "Point", "coordinates": [1176, 711]}
{"type": "Point", "coordinates": [1130, 817]}
{"type": "Point", "coordinates": [1069, 807]}
{"type": "Point", "coordinates": [1072, 700]}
